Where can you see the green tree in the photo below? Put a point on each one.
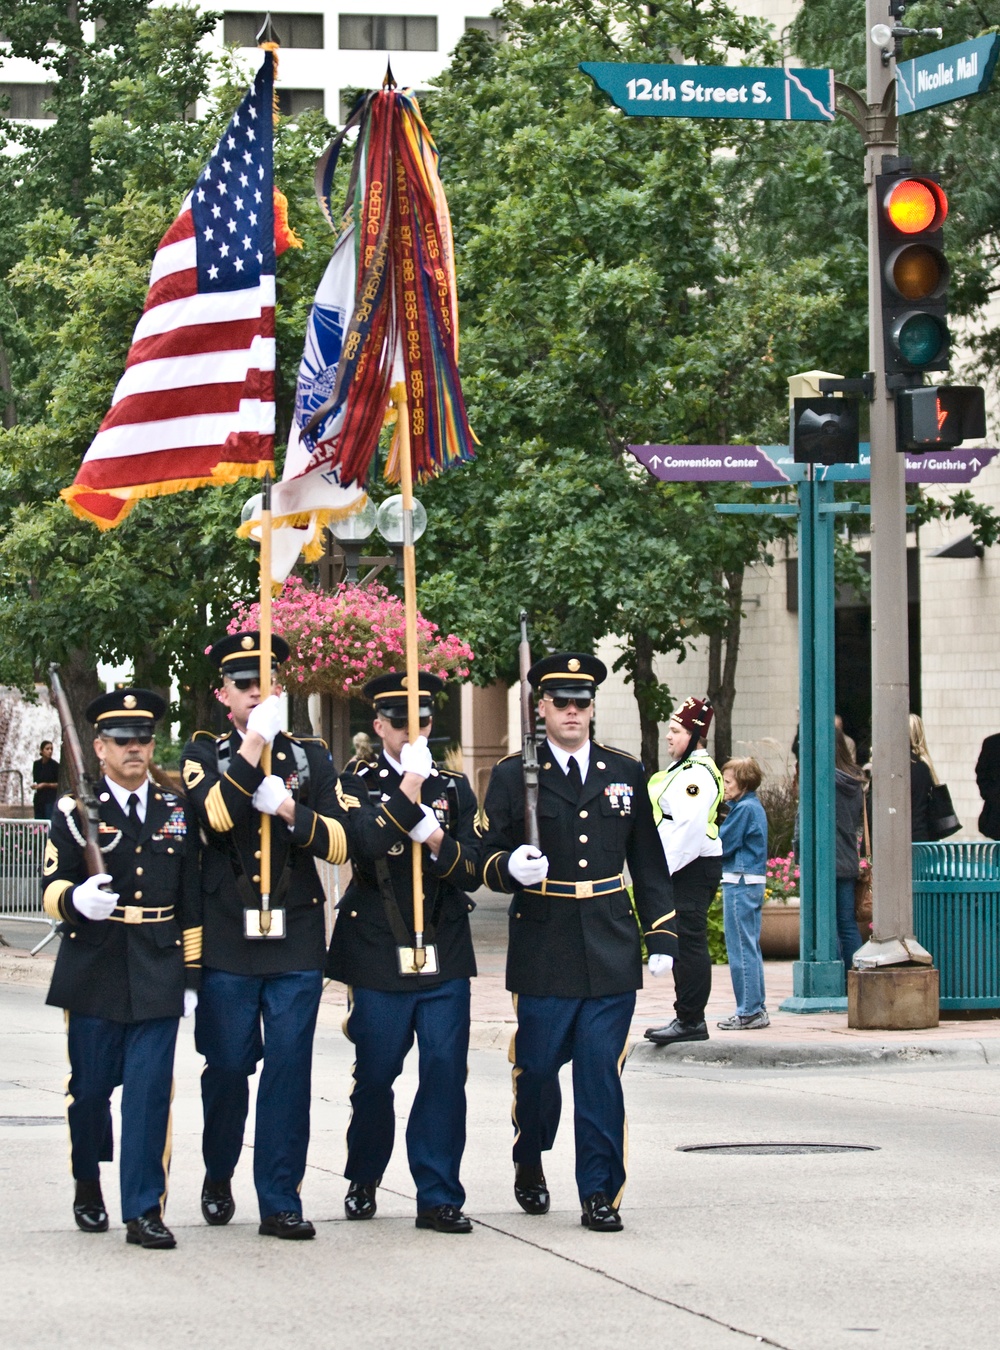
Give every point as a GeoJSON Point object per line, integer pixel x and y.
{"type": "Point", "coordinates": [101, 185]}
{"type": "Point", "coordinates": [607, 299]}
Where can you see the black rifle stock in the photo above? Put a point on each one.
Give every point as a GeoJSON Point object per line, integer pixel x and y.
{"type": "Point", "coordinates": [80, 784]}
{"type": "Point", "coordinates": [529, 745]}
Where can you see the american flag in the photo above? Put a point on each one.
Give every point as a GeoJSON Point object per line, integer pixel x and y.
{"type": "Point", "coordinates": [196, 403]}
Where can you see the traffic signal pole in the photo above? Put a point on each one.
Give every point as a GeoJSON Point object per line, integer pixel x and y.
{"type": "Point", "coordinates": [879, 993]}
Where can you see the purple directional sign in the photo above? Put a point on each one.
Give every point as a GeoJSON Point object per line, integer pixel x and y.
{"type": "Point", "coordinates": [710, 463]}
{"type": "Point", "coordinates": [774, 464]}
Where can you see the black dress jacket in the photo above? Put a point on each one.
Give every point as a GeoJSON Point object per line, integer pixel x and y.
{"type": "Point", "coordinates": [220, 786]}
{"type": "Point", "coordinates": [135, 965]}
{"type": "Point", "coordinates": [564, 941]}
{"type": "Point", "coordinates": [988, 781]}
{"type": "Point", "coordinates": [363, 949]}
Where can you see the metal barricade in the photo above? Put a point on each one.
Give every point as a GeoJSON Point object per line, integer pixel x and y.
{"type": "Point", "coordinates": [22, 851]}
{"type": "Point", "coordinates": [956, 916]}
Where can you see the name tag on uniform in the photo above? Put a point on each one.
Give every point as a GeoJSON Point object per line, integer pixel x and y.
{"type": "Point", "coordinates": [619, 796]}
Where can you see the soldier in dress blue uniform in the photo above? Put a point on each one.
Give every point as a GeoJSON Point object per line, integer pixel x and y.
{"type": "Point", "coordinates": [260, 996]}
{"type": "Point", "coordinates": [415, 801]}
{"type": "Point", "coordinates": [574, 959]}
{"type": "Point", "coordinates": [128, 965]}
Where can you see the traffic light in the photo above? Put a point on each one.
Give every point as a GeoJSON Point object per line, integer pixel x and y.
{"type": "Point", "coordinates": [912, 209]}
{"type": "Point", "coordinates": [939, 418]}
{"type": "Point", "coordinates": [825, 430]}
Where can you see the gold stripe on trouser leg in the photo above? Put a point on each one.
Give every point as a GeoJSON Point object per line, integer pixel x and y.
{"type": "Point", "coordinates": [515, 1074]}
{"type": "Point", "coordinates": [344, 1026]}
{"type": "Point", "coordinates": [621, 1064]}
{"type": "Point", "coordinates": [168, 1147]}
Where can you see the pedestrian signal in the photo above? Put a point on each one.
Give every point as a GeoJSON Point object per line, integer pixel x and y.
{"type": "Point", "coordinates": [825, 430]}
{"type": "Point", "coordinates": [939, 418]}
{"type": "Point", "coordinates": [914, 271]}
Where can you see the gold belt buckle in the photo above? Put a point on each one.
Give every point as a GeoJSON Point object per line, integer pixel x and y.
{"type": "Point", "coordinates": [584, 890]}
{"type": "Point", "coordinates": [133, 914]}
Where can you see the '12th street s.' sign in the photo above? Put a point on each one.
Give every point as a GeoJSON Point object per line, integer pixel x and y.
{"type": "Point", "coordinates": [767, 93]}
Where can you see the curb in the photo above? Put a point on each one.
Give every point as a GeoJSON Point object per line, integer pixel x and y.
{"type": "Point", "coordinates": [775, 1055]}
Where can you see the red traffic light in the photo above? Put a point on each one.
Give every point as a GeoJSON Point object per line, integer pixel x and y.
{"type": "Point", "coordinates": [913, 205]}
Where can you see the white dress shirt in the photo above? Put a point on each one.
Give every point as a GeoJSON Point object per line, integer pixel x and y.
{"type": "Point", "coordinates": [582, 757]}
{"type": "Point", "coordinates": [122, 794]}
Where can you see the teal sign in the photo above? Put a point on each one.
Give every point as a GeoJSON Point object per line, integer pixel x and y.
{"type": "Point", "coordinates": [953, 72]}
{"type": "Point", "coordinates": [768, 93]}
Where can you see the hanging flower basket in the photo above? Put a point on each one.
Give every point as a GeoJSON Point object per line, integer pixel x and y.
{"type": "Point", "coordinates": [341, 638]}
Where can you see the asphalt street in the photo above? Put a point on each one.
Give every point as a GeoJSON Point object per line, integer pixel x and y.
{"type": "Point", "coordinates": [890, 1248]}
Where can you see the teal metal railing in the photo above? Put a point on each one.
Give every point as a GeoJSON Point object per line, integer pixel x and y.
{"type": "Point", "coordinates": [956, 916]}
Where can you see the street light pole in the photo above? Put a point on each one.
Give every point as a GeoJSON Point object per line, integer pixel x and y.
{"type": "Point", "coordinates": [874, 986]}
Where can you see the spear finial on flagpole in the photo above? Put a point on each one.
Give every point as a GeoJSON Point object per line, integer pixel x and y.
{"type": "Point", "coordinates": [388, 80]}
{"type": "Point", "coordinates": [268, 33]}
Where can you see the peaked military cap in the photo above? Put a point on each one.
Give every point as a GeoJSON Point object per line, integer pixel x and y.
{"type": "Point", "coordinates": [695, 716]}
{"type": "Point", "coordinates": [238, 654]}
{"type": "Point", "coordinates": [568, 673]}
{"type": "Point", "coordinates": [126, 710]}
{"type": "Point", "coordinates": [388, 693]}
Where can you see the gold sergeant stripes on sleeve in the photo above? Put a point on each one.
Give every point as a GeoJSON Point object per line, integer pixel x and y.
{"type": "Point", "coordinates": [52, 900]}
{"type": "Point", "coordinates": [192, 946]}
{"type": "Point", "coordinates": [347, 802]}
{"type": "Point", "coordinates": [218, 813]}
{"type": "Point", "coordinates": [337, 851]}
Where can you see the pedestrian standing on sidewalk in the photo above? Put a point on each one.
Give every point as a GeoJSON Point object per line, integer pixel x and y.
{"type": "Point", "coordinates": [686, 799]}
{"type": "Point", "coordinates": [850, 795]}
{"type": "Point", "coordinates": [744, 873]}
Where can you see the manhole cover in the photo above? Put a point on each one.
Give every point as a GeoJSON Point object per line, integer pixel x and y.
{"type": "Point", "coordinates": [777, 1148]}
{"type": "Point", "coordinates": [32, 1120]}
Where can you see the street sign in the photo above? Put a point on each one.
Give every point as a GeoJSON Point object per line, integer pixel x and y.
{"type": "Point", "coordinates": [952, 72]}
{"type": "Point", "coordinates": [774, 465]}
{"type": "Point", "coordinates": [768, 93]}
{"type": "Point", "coordinates": [711, 463]}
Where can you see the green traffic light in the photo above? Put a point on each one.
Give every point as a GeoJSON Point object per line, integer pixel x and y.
{"type": "Point", "coordinates": [920, 339]}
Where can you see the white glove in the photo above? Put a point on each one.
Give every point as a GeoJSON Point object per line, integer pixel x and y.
{"type": "Point", "coordinates": [423, 829]}
{"type": "Point", "coordinates": [266, 718]}
{"type": "Point", "coordinates": [659, 964]}
{"type": "Point", "coordinates": [271, 793]}
{"type": "Point", "coordinates": [90, 901]}
{"type": "Point", "coordinates": [527, 866]}
{"type": "Point", "coordinates": [190, 1001]}
{"type": "Point", "coordinates": [416, 758]}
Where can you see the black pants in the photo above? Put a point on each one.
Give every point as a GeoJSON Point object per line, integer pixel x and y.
{"type": "Point", "coordinates": [694, 890]}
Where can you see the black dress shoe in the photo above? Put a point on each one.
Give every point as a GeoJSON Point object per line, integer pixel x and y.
{"type": "Point", "coordinates": [677, 1031]}
{"type": "Point", "coordinates": [360, 1202]}
{"type": "Point", "coordinates": [149, 1230]}
{"type": "Point", "coordinates": [530, 1189]}
{"type": "Point", "coordinates": [217, 1203]}
{"type": "Point", "coordinates": [286, 1225]}
{"type": "Point", "coordinates": [600, 1215]}
{"type": "Point", "coordinates": [88, 1208]}
{"type": "Point", "coordinates": [445, 1219]}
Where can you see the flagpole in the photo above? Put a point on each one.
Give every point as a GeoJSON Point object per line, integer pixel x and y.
{"type": "Point", "coordinates": [265, 691]}
{"type": "Point", "coordinates": [412, 660]}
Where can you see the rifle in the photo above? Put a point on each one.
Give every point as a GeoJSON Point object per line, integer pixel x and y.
{"type": "Point", "coordinates": [529, 745]}
{"type": "Point", "coordinates": [79, 780]}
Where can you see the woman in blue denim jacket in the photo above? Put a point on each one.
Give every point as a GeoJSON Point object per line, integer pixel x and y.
{"type": "Point", "coordinates": [744, 873]}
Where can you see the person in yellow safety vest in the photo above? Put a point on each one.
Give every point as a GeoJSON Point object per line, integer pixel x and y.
{"type": "Point", "coordinates": [686, 800]}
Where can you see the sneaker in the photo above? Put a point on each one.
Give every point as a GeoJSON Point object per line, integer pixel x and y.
{"type": "Point", "coordinates": [753, 1022]}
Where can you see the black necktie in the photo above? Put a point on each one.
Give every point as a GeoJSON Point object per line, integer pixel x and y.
{"type": "Point", "coordinates": [133, 809]}
{"type": "Point", "coordinates": [573, 774]}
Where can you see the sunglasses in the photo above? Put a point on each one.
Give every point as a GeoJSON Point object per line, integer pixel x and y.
{"type": "Point", "coordinates": [560, 701]}
{"type": "Point", "coordinates": [398, 723]}
{"type": "Point", "coordinates": [124, 738]}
